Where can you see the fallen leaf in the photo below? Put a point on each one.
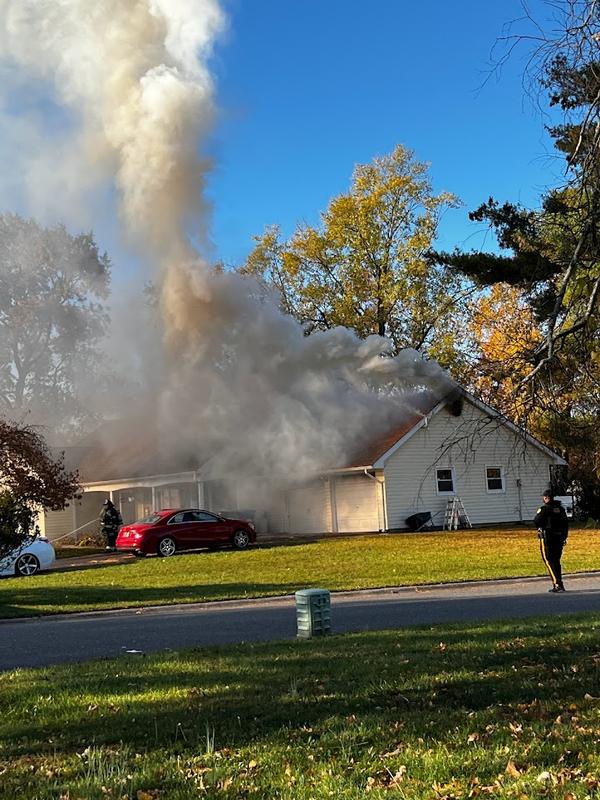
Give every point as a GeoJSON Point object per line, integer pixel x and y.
{"type": "Point", "coordinates": [513, 770]}
{"type": "Point", "coordinates": [398, 777]}
{"type": "Point", "coordinates": [515, 727]}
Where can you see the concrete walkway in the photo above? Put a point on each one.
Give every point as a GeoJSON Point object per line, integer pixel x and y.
{"type": "Point", "coordinates": [80, 637]}
{"type": "Point", "coordinates": [90, 561]}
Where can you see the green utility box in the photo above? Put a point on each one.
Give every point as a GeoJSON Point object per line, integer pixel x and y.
{"type": "Point", "coordinates": [313, 612]}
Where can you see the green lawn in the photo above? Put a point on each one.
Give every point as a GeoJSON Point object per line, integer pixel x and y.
{"type": "Point", "coordinates": [506, 710]}
{"type": "Point", "coordinates": [335, 564]}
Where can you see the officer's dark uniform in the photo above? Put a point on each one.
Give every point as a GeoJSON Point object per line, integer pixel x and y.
{"type": "Point", "coordinates": [553, 526]}
{"type": "Point", "coordinates": [110, 523]}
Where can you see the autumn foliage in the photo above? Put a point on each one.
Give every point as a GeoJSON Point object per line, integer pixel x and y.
{"type": "Point", "coordinates": [31, 477]}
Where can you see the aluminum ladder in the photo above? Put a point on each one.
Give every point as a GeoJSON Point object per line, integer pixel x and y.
{"type": "Point", "coordinates": [455, 516]}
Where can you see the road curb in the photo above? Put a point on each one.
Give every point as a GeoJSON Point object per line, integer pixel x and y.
{"type": "Point", "coordinates": [289, 598]}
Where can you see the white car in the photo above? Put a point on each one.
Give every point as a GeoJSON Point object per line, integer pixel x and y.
{"type": "Point", "coordinates": [35, 553]}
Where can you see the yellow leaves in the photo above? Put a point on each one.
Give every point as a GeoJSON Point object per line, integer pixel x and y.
{"type": "Point", "coordinates": [512, 769]}
{"type": "Point", "coordinates": [505, 332]}
{"type": "Point", "coordinates": [450, 790]}
{"type": "Point", "coordinates": [363, 266]}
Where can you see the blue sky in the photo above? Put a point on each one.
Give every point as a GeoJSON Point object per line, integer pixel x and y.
{"type": "Point", "coordinates": [309, 88]}
{"type": "Point", "coordinates": [306, 89]}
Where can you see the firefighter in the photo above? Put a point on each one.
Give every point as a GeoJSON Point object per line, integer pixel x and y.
{"type": "Point", "coordinates": [111, 521]}
{"type": "Point", "coordinates": [553, 529]}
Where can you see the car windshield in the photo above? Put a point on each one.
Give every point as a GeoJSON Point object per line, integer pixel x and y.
{"type": "Point", "coordinates": [149, 520]}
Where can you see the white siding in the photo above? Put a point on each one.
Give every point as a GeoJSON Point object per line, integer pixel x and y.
{"type": "Point", "coordinates": [467, 444]}
{"type": "Point", "coordinates": [309, 508]}
{"type": "Point", "coordinates": [358, 504]}
{"type": "Point", "coordinates": [88, 511]}
{"type": "Point", "coordinates": [58, 523]}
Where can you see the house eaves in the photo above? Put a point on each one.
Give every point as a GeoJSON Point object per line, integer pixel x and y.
{"type": "Point", "coordinates": [147, 482]}
{"type": "Point", "coordinates": [489, 411]}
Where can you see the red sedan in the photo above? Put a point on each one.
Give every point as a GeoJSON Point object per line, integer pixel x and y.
{"type": "Point", "coordinates": [171, 529]}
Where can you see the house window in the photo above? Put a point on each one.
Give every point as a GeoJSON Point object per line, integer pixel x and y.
{"type": "Point", "coordinates": [445, 482]}
{"type": "Point", "coordinates": [495, 479]}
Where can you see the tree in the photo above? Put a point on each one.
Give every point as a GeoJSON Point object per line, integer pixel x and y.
{"type": "Point", "coordinates": [31, 478]}
{"type": "Point", "coordinates": [51, 318]}
{"type": "Point", "coordinates": [365, 267]}
{"type": "Point", "coordinates": [555, 252]}
{"type": "Point", "coordinates": [551, 256]}
{"type": "Point", "coordinates": [503, 333]}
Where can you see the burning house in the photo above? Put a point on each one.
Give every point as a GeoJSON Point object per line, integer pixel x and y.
{"type": "Point", "coordinates": [443, 450]}
{"type": "Point", "coordinates": [318, 433]}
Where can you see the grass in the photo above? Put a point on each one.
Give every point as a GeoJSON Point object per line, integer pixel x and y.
{"type": "Point", "coordinates": [508, 710]}
{"type": "Point", "coordinates": [335, 564]}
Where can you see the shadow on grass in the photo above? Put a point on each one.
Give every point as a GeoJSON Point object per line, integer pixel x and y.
{"type": "Point", "coordinates": [27, 601]}
{"type": "Point", "coordinates": [410, 681]}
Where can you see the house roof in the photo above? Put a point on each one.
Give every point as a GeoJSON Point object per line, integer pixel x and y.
{"type": "Point", "coordinates": [125, 449]}
{"type": "Point", "coordinates": [426, 405]}
{"type": "Point", "coordinates": [423, 404]}
{"type": "Point", "coordinates": [132, 448]}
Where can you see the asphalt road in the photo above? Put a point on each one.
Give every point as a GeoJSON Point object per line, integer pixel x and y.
{"type": "Point", "coordinates": [79, 637]}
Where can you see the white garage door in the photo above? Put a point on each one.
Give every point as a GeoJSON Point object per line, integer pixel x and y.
{"type": "Point", "coordinates": [310, 509]}
{"type": "Point", "coordinates": [357, 503]}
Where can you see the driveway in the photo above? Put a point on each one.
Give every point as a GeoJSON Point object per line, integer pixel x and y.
{"type": "Point", "coordinates": [80, 637]}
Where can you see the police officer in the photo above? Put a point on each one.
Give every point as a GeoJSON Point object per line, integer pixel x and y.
{"type": "Point", "coordinates": [111, 521]}
{"type": "Point", "coordinates": [553, 529]}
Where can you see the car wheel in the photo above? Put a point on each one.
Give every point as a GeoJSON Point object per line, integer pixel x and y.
{"type": "Point", "coordinates": [166, 547]}
{"type": "Point", "coordinates": [27, 564]}
{"type": "Point", "coordinates": [241, 540]}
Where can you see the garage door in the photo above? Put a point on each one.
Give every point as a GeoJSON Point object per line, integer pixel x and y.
{"type": "Point", "coordinates": [357, 503]}
{"type": "Point", "coordinates": [310, 509]}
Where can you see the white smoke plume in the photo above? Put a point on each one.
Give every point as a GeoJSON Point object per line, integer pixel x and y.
{"type": "Point", "coordinates": [239, 381]}
{"type": "Point", "coordinates": [133, 73]}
